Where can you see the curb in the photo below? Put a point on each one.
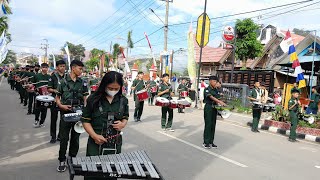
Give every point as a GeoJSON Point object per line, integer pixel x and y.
{"type": "Point", "coordinates": [286, 132]}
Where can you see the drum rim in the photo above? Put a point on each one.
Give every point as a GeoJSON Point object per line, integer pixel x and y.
{"type": "Point", "coordinates": [44, 100]}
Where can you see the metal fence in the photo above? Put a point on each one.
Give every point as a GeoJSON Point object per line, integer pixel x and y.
{"type": "Point", "coordinates": [233, 92]}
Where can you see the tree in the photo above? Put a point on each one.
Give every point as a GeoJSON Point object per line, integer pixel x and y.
{"type": "Point", "coordinates": [115, 54]}
{"type": "Point", "coordinates": [301, 32]}
{"type": "Point", "coordinates": [11, 58]}
{"type": "Point", "coordinates": [32, 60]}
{"type": "Point", "coordinates": [95, 53]}
{"type": "Point", "coordinates": [139, 64]}
{"type": "Point", "coordinates": [149, 64]}
{"type": "Point", "coordinates": [129, 42]}
{"type": "Point", "coordinates": [92, 63]}
{"type": "Point", "coordinates": [76, 51]}
{"type": "Point", "coordinates": [248, 47]}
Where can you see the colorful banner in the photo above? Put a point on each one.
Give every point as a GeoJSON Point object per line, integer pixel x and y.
{"type": "Point", "coordinates": [154, 59]}
{"type": "Point", "coordinates": [192, 66]}
{"type": "Point", "coordinates": [295, 61]}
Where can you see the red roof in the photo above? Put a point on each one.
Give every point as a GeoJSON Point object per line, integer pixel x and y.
{"type": "Point", "coordinates": [295, 37]}
{"type": "Point", "coordinates": [209, 54]}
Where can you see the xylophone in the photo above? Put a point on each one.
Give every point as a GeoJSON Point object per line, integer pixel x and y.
{"type": "Point", "coordinates": [133, 165]}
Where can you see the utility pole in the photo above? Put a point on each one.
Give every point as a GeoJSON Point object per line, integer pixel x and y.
{"type": "Point", "coordinates": [45, 48]}
{"type": "Point", "coordinates": [165, 33]}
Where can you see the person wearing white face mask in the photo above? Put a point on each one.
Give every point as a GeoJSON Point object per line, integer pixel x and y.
{"type": "Point", "coordinates": [107, 111]}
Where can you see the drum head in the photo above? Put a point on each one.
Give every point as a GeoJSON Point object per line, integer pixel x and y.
{"type": "Point", "coordinates": [142, 91]}
{"type": "Point", "coordinates": [45, 98]}
{"type": "Point", "coordinates": [162, 99]}
{"type": "Point", "coordinates": [183, 102]}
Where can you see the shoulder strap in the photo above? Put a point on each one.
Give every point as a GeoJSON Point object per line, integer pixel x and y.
{"type": "Point", "coordinates": [57, 77]}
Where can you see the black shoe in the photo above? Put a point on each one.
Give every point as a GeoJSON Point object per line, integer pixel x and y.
{"type": "Point", "coordinates": [207, 146]}
{"type": "Point", "coordinates": [62, 166]}
{"type": "Point", "coordinates": [25, 104]}
{"type": "Point", "coordinates": [29, 113]}
{"type": "Point", "coordinates": [135, 119]}
{"type": "Point", "coordinates": [33, 112]}
{"type": "Point", "coordinates": [21, 102]}
{"type": "Point", "coordinates": [58, 139]}
{"type": "Point", "coordinates": [253, 130]}
{"type": "Point", "coordinates": [53, 140]}
{"type": "Point", "coordinates": [292, 140]}
{"type": "Point", "coordinates": [214, 146]}
{"type": "Point", "coordinates": [257, 131]}
{"type": "Point", "coordinates": [138, 119]}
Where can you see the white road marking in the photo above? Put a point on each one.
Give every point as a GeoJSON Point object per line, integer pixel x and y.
{"type": "Point", "coordinates": [204, 150]}
{"type": "Point", "coordinates": [317, 167]}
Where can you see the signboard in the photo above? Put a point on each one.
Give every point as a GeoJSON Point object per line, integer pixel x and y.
{"type": "Point", "coordinates": [206, 31]}
{"type": "Point", "coordinates": [227, 46]}
{"type": "Point", "coordinates": [228, 33]}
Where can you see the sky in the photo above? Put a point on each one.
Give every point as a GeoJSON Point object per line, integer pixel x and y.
{"type": "Point", "coordinates": [98, 23]}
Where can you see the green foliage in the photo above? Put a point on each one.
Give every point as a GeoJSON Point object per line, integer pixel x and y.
{"type": "Point", "coordinates": [237, 104]}
{"type": "Point", "coordinates": [149, 64]}
{"type": "Point", "coordinates": [11, 58]}
{"type": "Point", "coordinates": [129, 41]}
{"type": "Point", "coordinates": [76, 51]}
{"type": "Point", "coordinates": [32, 60]}
{"type": "Point", "coordinates": [280, 114]}
{"type": "Point", "coordinates": [96, 53]}
{"type": "Point", "coordinates": [185, 72]}
{"type": "Point", "coordinates": [248, 47]}
{"type": "Point", "coordinates": [306, 124]}
{"type": "Point", "coordinates": [92, 63]}
{"type": "Point", "coordinates": [116, 51]}
{"type": "Point", "coordinates": [139, 64]}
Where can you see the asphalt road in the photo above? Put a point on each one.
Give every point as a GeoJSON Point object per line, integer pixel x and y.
{"type": "Point", "coordinates": [25, 153]}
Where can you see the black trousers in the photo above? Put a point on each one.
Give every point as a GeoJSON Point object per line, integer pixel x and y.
{"type": "Point", "coordinates": [138, 109]}
{"type": "Point", "coordinates": [53, 124]}
{"type": "Point", "coordinates": [64, 131]}
{"type": "Point", "coordinates": [43, 112]}
{"type": "Point", "coordinates": [31, 97]}
{"type": "Point", "coordinates": [11, 84]}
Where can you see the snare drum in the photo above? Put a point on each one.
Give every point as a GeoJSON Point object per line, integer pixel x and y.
{"type": "Point", "coordinates": [183, 103]}
{"type": "Point", "coordinates": [266, 108]}
{"type": "Point", "coordinates": [257, 105]}
{"type": "Point", "coordinates": [30, 88]}
{"type": "Point", "coordinates": [44, 101]}
{"type": "Point", "coordinates": [43, 90]}
{"type": "Point", "coordinates": [173, 104]}
{"type": "Point", "coordinates": [272, 107]}
{"type": "Point", "coordinates": [184, 94]}
{"type": "Point", "coordinates": [142, 95]}
{"type": "Point", "coordinates": [94, 88]}
{"type": "Point", "coordinates": [160, 101]}
{"type": "Point", "coordinates": [154, 89]}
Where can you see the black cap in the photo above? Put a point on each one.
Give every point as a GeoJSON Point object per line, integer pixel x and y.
{"type": "Point", "coordinates": [295, 91]}
{"type": "Point", "coordinates": [213, 78]}
{"type": "Point", "coordinates": [44, 65]}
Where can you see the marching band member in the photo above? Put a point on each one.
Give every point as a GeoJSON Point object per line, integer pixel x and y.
{"type": "Point", "coordinates": [30, 95]}
{"type": "Point", "coordinates": [19, 83]}
{"type": "Point", "coordinates": [165, 91]}
{"type": "Point", "coordinates": [293, 106]}
{"type": "Point", "coordinates": [314, 101]}
{"type": "Point", "coordinates": [39, 80]}
{"type": "Point", "coordinates": [182, 87]}
{"type": "Point", "coordinates": [152, 84]}
{"type": "Point", "coordinates": [54, 81]}
{"type": "Point", "coordinates": [210, 113]}
{"type": "Point", "coordinates": [138, 85]}
{"type": "Point", "coordinates": [255, 95]}
{"type": "Point", "coordinates": [71, 90]}
{"type": "Point", "coordinates": [106, 102]}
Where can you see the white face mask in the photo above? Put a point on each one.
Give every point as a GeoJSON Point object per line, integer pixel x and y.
{"type": "Point", "coordinates": [111, 93]}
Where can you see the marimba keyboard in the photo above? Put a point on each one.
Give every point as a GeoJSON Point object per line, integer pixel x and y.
{"type": "Point", "coordinates": [133, 165]}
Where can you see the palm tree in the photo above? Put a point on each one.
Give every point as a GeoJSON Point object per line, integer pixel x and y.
{"type": "Point", "coordinates": [129, 42]}
{"type": "Point", "coordinates": [116, 52]}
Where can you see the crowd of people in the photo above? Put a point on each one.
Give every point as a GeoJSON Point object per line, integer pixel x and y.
{"type": "Point", "coordinates": [106, 111]}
